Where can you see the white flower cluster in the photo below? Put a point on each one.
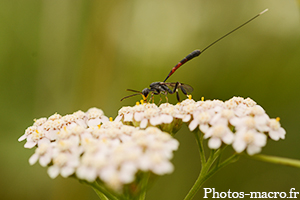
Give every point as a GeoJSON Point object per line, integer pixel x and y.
{"type": "Point", "coordinates": [90, 146]}
{"type": "Point", "coordinates": [167, 117]}
{"type": "Point", "coordinates": [238, 121]}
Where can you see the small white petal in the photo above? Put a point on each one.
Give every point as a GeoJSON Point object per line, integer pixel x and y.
{"type": "Point", "coordinates": [144, 163]}
{"type": "Point", "coordinates": [186, 118]}
{"type": "Point", "coordinates": [33, 159]}
{"type": "Point", "coordinates": [167, 119]}
{"type": "Point", "coordinates": [118, 118]}
{"type": "Point", "coordinates": [228, 138]}
{"type": "Point", "coordinates": [104, 119]}
{"type": "Point", "coordinates": [260, 139]}
{"type": "Point", "coordinates": [281, 133]}
{"type": "Point", "coordinates": [262, 119]}
{"type": "Point", "coordinates": [180, 116]}
{"type": "Point", "coordinates": [67, 171]}
{"type": "Point", "coordinates": [108, 173]}
{"type": "Point", "coordinates": [263, 128]}
{"type": "Point", "coordinates": [81, 123]}
{"type": "Point", "coordinates": [155, 120]}
{"type": "Point", "coordinates": [240, 111]}
{"type": "Point", "coordinates": [127, 172]}
{"type": "Point", "coordinates": [215, 119]}
{"type": "Point", "coordinates": [204, 128]}
{"type": "Point", "coordinates": [45, 160]}
{"type": "Point", "coordinates": [208, 133]}
{"type": "Point", "coordinates": [53, 171]}
{"type": "Point", "coordinates": [43, 140]}
{"type": "Point", "coordinates": [86, 173]}
{"type": "Point", "coordinates": [128, 117]}
{"type": "Point", "coordinates": [72, 125]}
{"type": "Point", "coordinates": [239, 145]}
{"type": "Point", "coordinates": [91, 175]}
{"type": "Point", "coordinates": [23, 137]}
{"type": "Point", "coordinates": [236, 121]}
{"type": "Point", "coordinates": [29, 144]}
{"type": "Point", "coordinates": [51, 135]}
{"type": "Point", "coordinates": [193, 125]}
{"type": "Point", "coordinates": [144, 123]}
{"type": "Point", "coordinates": [74, 162]}
{"type": "Point", "coordinates": [274, 135]}
{"type": "Point", "coordinates": [214, 143]}
{"type": "Point", "coordinates": [81, 172]}
{"type": "Point", "coordinates": [126, 177]}
{"type": "Point", "coordinates": [163, 168]}
{"type": "Point", "coordinates": [138, 116]}
{"type": "Point", "coordinates": [252, 149]}
{"type": "Point", "coordinates": [94, 122]}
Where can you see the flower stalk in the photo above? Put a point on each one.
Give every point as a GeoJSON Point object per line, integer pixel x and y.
{"type": "Point", "coordinates": [209, 167]}
{"type": "Point", "coordinates": [276, 160]}
{"type": "Point", "coordinates": [101, 191]}
{"type": "Point", "coordinates": [199, 140]}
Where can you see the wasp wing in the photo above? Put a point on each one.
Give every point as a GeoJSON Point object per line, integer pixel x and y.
{"type": "Point", "coordinates": [186, 87]}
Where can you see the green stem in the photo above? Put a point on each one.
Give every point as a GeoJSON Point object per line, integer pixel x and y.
{"type": "Point", "coordinates": [228, 161]}
{"type": "Point", "coordinates": [207, 171]}
{"type": "Point", "coordinates": [101, 191]}
{"type": "Point", "coordinates": [100, 194]}
{"type": "Point", "coordinates": [200, 180]}
{"type": "Point", "coordinates": [277, 160]}
{"type": "Point", "coordinates": [144, 183]}
{"type": "Point", "coordinates": [199, 139]}
{"type": "Point", "coordinates": [214, 155]}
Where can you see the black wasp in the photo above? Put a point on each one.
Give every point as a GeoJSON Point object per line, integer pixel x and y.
{"type": "Point", "coordinates": [158, 88]}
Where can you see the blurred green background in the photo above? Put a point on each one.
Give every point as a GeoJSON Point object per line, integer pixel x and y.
{"type": "Point", "coordinates": [68, 55]}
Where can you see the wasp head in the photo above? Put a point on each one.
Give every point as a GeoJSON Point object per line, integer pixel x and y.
{"type": "Point", "coordinates": [145, 93]}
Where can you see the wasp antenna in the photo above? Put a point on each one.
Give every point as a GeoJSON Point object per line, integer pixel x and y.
{"type": "Point", "coordinates": [240, 26]}
{"type": "Point", "coordinates": [129, 96]}
{"type": "Point", "coordinates": [131, 90]}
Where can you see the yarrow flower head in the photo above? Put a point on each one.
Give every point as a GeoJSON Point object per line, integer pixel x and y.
{"type": "Point", "coordinates": [92, 148]}
{"type": "Point", "coordinates": [219, 121]}
{"type": "Point", "coordinates": [237, 121]}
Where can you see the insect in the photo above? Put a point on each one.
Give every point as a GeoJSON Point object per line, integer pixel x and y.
{"type": "Point", "coordinates": [158, 88]}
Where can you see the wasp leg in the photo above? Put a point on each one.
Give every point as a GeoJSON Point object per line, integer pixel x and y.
{"type": "Point", "coordinates": [175, 88]}
{"type": "Point", "coordinates": [160, 99]}
{"type": "Point", "coordinates": [177, 95]}
{"type": "Point", "coordinates": [167, 100]}
{"type": "Point", "coordinates": [152, 98]}
{"type": "Point", "coordinates": [177, 85]}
